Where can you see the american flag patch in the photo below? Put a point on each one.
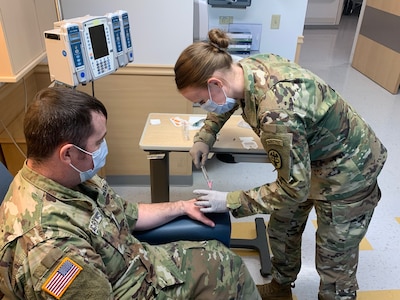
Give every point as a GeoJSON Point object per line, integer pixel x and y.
{"type": "Point", "coordinates": [61, 278]}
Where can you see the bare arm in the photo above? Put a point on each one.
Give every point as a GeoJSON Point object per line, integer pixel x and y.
{"type": "Point", "coordinates": [155, 214]}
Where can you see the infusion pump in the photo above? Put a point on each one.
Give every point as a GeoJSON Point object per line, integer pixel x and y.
{"type": "Point", "coordinates": [81, 50]}
{"type": "Point", "coordinates": [119, 24]}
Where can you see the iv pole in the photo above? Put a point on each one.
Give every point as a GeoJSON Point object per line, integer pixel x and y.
{"type": "Point", "coordinates": [57, 3]}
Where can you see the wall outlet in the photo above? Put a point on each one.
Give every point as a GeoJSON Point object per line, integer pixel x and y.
{"type": "Point", "coordinates": [275, 21]}
{"type": "Point", "coordinates": [225, 19]}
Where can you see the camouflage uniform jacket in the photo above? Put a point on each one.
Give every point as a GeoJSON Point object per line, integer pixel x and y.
{"type": "Point", "coordinates": [320, 147]}
{"type": "Point", "coordinates": [44, 223]}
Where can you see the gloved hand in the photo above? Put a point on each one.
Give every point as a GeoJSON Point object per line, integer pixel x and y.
{"type": "Point", "coordinates": [211, 201]}
{"type": "Point", "coordinates": [199, 153]}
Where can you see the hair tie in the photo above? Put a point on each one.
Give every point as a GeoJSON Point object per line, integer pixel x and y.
{"type": "Point", "coordinates": [218, 47]}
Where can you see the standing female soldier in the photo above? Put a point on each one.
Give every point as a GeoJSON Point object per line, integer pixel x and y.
{"type": "Point", "coordinates": [324, 153]}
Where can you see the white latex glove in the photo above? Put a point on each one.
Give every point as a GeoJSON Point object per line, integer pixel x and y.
{"type": "Point", "coordinates": [211, 201]}
{"type": "Point", "coordinates": [199, 153]}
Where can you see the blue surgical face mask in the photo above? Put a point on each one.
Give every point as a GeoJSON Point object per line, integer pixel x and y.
{"type": "Point", "coordinates": [99, 160]}
{"type": "Point", "coordinates": [220, 109]}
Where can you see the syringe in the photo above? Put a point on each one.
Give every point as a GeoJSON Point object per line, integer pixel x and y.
{"type": "Point", "coordinates": [206, 177]}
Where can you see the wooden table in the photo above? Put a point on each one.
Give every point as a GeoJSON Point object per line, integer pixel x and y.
{"type": "Point", "coordinates": [160, 137]}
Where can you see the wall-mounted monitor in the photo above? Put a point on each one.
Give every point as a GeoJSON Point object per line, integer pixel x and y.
{"type": "Point", "coordinates": [230, 3]}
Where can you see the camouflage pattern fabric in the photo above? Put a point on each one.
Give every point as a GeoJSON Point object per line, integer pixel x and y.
{"type": "Point", "coordinates": [45, 224]}
{"type": "Point", "coordinates": [325, 155]}
{"type": "Point", "coordinates": [341, 226]}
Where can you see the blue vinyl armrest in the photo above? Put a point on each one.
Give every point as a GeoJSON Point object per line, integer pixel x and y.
{"type": "Point", "coordinates": [5, 181]}
{"type": "Point", "coordinates": [185, 229]}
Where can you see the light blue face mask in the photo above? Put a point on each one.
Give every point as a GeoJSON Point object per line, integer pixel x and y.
{"type": "Point", "coordinates": [99, 160]}
{"type": "Point", "coordinates": [219, 109]}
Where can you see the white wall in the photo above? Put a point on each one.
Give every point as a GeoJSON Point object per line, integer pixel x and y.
{"type": "Point", "coordinates": [160, 29]}
{"type": "Point", "coordinates": [282, 41]}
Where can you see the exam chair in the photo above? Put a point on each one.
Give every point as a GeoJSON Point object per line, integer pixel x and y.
{"type": "Point", "coordinates": [184, 228]}
{"type": "Point", "coordinates": [5, 180]}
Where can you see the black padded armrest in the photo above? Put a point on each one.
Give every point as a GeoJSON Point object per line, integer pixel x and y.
{"type": "Point", "coordinates": [185, 229]}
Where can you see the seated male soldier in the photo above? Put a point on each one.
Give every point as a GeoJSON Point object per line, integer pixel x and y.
{"type": "Point", "coordinates": [66, 234]}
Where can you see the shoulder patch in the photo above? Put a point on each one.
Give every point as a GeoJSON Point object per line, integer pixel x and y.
{"type": "Point", "coordinates": [278, 147]}
{"type": "Point", "coordinates": [62, 277]}
{"type": "Point", "coordinates": [95, 221]}
{"type": "Point", "coordinates": [275, 158]}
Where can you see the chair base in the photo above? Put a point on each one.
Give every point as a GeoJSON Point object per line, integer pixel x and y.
{"type": "Point", "coordinates": [260, 243]}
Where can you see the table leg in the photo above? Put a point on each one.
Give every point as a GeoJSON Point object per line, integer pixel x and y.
{"type": "Point", "coordinates": [159, 176]}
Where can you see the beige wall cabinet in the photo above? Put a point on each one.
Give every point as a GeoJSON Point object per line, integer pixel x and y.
{"type": "Point", "coordinates": [22, 23]}
{"type": "Point", "coordinates": [14, 98]}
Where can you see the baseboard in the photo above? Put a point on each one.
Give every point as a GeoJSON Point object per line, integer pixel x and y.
{"type": "Point", "coordinates": [321, 26]}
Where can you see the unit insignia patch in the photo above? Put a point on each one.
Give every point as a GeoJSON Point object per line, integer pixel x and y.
{"type": "Point", "coordinates": [275, 158]}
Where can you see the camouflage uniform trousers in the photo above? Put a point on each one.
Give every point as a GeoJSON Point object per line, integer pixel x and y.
{"type": "Point", "coordinates": [211, 272]}
{"type": "Point", "coordinates": [341, 226]}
